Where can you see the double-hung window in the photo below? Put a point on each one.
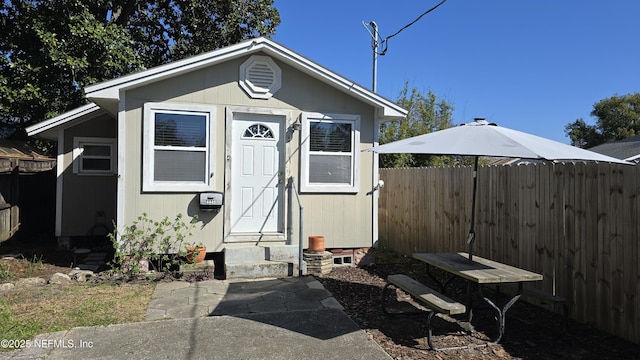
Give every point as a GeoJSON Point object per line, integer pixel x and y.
{"type": "Point", "coordinates": [94, 156]}
{"type": "Point", "coordinates": [330, 153]}
{"type": "Point", "coordinates": [178, 144]}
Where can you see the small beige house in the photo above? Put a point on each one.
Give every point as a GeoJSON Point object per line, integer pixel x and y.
{"type": "Point", "coordinates": [235, 125]}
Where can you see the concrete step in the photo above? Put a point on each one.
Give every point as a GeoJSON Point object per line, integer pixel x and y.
{"type": "Point", "coordinates": [285, 253]}
{"type": "Point", "coordinates": [244, 254]}
{"type": "Point", "coordinates": [261, 261]}
{"type": "Point", "coordinates": [258, 269]}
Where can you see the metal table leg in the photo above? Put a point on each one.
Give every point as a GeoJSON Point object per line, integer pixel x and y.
{"type": "Point", "coordinates": [442, 285]}
{"type": "Point", "coordinates": [501, 312]}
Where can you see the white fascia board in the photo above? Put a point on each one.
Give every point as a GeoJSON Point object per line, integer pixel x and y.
{"type": "Point", "coordinates": [89, 111]}
{"type": "Point", "coordinates": [632, 158]}
{"type": "Point", "coordinates": [111, 89]}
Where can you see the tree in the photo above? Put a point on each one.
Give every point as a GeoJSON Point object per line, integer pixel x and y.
{"type": "Point", "coordinates": [617, 118]}
{"type": "Point", "coordinates": [51, 49]}
{"type": "Point", "coordinates": [426, 114]}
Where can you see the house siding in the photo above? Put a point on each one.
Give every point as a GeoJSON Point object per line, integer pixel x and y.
{"type": "Point", "coordinates": [344, 219]}
{"type": "Point", "coordinates": [92, 194]}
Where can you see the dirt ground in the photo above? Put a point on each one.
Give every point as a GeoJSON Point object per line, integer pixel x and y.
{"type": "Point", "coordinates": [36, 261]}
{"type": "Point", "coordinates": [531, 332]}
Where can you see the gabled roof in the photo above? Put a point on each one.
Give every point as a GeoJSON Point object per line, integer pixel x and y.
{"type": "Point", "coordinates": [625, 149]}
{"type": "Point", "coordinates": [107, 94]}
{"type": "Point", "coordinates": [48, 129]}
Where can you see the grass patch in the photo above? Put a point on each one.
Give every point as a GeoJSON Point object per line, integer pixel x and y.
{"type": "Point", "coordinates": [29, 312]}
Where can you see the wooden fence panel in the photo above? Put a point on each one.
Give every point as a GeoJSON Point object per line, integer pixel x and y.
{"type": "Point", "coordinates": [577, 224]}
{"type": "Point", "coordinates": [617, 274]}
{"type": "Point", "coordinates": [629, 220]}
{"type": "Point", "coordinates": [591, 194]}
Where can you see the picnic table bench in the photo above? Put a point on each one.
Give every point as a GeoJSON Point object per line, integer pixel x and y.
{"type": "Point", "coordinates": [479, 271]}
{"type": "Point", "coordinates": [433, 300]}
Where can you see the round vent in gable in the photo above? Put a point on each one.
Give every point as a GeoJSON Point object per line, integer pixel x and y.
{"type": "Point", "coordinates": [260, 77]}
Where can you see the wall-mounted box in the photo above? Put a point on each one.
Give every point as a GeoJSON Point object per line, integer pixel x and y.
{"type": "Point", "coordinates": [210, 201]}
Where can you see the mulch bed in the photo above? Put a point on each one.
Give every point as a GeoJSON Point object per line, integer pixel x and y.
{"type": "Point", "coordinates": [531, 331]}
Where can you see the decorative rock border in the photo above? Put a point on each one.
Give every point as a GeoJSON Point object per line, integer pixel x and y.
{"type": "Point", "coordinates": [76, 275]}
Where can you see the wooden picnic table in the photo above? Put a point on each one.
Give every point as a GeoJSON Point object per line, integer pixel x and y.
{"type": "Point", "coordinates": [479, 271]}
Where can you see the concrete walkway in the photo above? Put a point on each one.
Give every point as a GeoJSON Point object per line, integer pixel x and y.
{"type": "Point", "coordinates": [290, 318]}
{"type": "Point", "coordinates": [180, 300]}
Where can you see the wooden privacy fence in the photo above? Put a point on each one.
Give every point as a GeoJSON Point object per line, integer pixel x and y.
{"type": "Point", "coordinates": [576, 223]}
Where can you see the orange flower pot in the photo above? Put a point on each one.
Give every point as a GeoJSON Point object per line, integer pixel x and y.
{"type": "Point", "coordinates": [316, 244]}
{"type": "Point", "coordinates": [196, 254]}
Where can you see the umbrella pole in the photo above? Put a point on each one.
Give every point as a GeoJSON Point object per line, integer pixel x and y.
{"type": "Point", "coordinates": [472, 232]}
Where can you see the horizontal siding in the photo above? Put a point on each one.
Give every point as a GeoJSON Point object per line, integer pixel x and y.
{"type": "Point", "coordinates": [345, 220]}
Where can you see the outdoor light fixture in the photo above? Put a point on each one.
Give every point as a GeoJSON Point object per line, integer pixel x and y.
{"type": "Point", "coordinates": [296, 126]}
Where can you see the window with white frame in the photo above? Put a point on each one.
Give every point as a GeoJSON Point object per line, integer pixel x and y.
{"type": "Point", "coordinates": [178, 145]}
{"type": "Point", "coordinates": [94, 156]}
{"type": "Point", "coordinates": [330, 152]}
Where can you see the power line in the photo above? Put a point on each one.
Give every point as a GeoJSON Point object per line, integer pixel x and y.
{"type": "Point", "coordinates": [385, 42]}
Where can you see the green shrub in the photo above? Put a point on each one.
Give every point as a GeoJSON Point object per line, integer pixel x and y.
{"type": "Point", "coordinates": [160, 243]}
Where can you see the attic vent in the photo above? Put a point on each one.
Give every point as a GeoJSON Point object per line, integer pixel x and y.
{"type": "Point", "coordinates": [260, 77]}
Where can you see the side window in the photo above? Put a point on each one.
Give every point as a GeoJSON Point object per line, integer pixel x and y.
{"type": "Point", "coordinates": [94, 156]}
{"type": "Point", "coordinates": [177, 148]}
{"type": "Point", "coordinates": [330, 152]}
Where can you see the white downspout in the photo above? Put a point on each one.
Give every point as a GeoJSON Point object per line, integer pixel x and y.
{"type": "Point", "coordinates": [120, 196]}
{"type": "Point", "coordinates": [375, 177]}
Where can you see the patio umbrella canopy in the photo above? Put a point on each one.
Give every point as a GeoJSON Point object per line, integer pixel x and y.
{"type": "Point", "coordinates": [481, 138]}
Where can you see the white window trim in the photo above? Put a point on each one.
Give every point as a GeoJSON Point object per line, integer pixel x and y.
{"type": "Point", "coordinates": [148, 183]}
{"type": "Point", "coordinates": [305, 186]}
{"type": "Point", "coordinates": [78, 149]}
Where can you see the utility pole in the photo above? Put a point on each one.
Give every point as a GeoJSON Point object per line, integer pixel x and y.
{"type": "Point", "coordinates": [374, 45]}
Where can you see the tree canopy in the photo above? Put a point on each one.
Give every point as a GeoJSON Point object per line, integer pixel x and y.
{"type": "Point", "coordinates": [426, 114]}
{"type": "Point", "coordinates": [617, 118]}
{"type": "Point", "coordinates": [51, 49]}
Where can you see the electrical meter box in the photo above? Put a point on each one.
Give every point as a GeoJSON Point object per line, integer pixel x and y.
{"type": "Point", "coordinates": [210, 201]}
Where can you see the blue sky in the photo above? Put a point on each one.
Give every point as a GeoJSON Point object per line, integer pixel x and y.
{"type": "Point", "coordinates": [531, 65]}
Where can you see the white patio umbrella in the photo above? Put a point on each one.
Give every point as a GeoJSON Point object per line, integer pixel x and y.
{"type": "Point", "coordinates": [480, 138]}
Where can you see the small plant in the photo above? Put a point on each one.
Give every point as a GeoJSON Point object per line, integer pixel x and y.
{"type": "Point", "coordinates": [5, 272]}
{"type": "Point", "coordinates": [35, 263]}
{"type": "Point", "coordinates": [160, 243]}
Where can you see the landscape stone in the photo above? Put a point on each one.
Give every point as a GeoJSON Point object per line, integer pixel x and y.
{"type": "Point", "coordinates": [32, 281]}
{"type": "Point", "coordinates": [6, 286]}
{"type": "Point", "coordinates": [80, 275]}
{"type": "Point", "coordinates": [59, 278]}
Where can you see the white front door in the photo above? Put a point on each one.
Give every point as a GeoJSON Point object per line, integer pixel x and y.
{"type": "Point", "coordinates": [257, 180]}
